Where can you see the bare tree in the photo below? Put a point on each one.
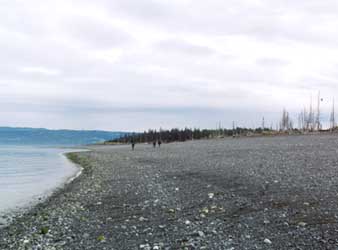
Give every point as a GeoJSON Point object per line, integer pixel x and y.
{"type": "Point", "coordinates": [311, 117]}
{"type": "Point", "coordinates": [318, 126]}
{"type": "Point", "coordinates": [332, 117]}
{"type": "Point", "coordinates": [233, 129]}
{"type": "Point", "coordinates": [300, 121]}
{"type": "Point", "coordinates": [286, 123]}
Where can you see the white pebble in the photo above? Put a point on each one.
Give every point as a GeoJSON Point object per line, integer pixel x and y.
{"type": "Point", "coordinates": [267, 241]}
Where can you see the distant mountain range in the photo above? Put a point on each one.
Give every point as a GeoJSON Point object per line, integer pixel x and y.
{"type": "Point", "coordinates": [41, 136]}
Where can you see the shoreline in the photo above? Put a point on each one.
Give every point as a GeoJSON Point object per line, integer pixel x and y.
{"type": "Point", "coordinates": [37, 211]}
{"type": "Point", "coordinates": [79, 167]}
{"type": "Point", "coordinates": [7, 216]}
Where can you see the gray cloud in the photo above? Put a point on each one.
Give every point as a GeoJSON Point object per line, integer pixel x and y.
{"type": "Point", "coordinates": [96, 34]}
{"type": "Point", "coordinates": [266, 20]}
{"type": "Point", "coordinates": [271, 62]}
{"type": "Point", "coordinates": [21, 17]}
{"type": "Point", "coordinates": [182, 47]}
{"type": "Point", "coordinates": [145, 9]}
{"type": "Point", "coordinates": [133, 64]}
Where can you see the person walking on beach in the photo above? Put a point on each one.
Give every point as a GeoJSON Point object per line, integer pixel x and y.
{"type": "Point", "coordinates": [154, 144]}
{"type": "Point", "coordinates": [132, 144]}
{"type": "Point", "coordinates": [159, 143]}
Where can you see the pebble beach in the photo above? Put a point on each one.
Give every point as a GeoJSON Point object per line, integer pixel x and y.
{"type": "Point", "coordinates": [247, 193]}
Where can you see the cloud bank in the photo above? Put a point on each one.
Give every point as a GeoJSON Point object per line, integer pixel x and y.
{"type": "Point", "coordinates": [132, 65]}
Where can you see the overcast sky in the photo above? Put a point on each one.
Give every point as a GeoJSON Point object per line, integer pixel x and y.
{"type": "Point", "coordinates": [136, 64]}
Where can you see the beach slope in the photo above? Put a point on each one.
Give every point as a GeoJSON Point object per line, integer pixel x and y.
{"type": "Point", "coordinates": [250, 193]}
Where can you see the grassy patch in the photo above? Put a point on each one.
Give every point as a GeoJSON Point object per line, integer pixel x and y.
{"type": "Point", "coordinates": [44, 230]}
{"type": "Point", "coordinates": [101, 238]}
{"type": "Point", "coordinates": [80, 160]}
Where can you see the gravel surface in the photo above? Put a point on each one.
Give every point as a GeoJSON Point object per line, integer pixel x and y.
{"type": "Point", "coordinates": [249, 193]}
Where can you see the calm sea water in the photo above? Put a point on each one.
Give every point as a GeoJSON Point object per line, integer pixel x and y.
{"type": "Point", "coordinates": [29, 172]}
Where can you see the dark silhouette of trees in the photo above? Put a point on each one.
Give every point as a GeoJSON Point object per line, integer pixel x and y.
{"type": "Point", "coordinates": [180, 135]}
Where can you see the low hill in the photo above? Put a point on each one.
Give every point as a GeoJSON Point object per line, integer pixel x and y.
{"type": "Point", "coordinates": [41, 136]}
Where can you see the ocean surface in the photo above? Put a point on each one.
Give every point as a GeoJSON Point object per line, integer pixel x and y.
{"type": "Point", "coordinates": [28, 173]}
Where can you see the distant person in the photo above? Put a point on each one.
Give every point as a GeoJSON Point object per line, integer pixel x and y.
{"type": "Point", "coordinates": [132, 144]}
{"type": "Point", "coordinates": [159, 143]}
{"type": "Point", "coordinates": [154, 144]}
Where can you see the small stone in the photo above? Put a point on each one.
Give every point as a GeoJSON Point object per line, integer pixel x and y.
{"type": "Point", "coordinates": [142, 219]}
{"type": "Point", "coordinates": [211, 195]}
{"type": "Point", "coordinates": [267, 241]}
{"type": "Point", "coordinates": [205, 210]}
{"type": "Point", "coordinates": [201, 234]}
{"type": "Point", "coordinates": [187, 222]}
{"type": "Point", "coordinates": [302, 224]}
{"type": "Point", "coordinates": [145, 246]}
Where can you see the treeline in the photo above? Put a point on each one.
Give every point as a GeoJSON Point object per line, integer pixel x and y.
{"type": "Point", "coordinates": [186, 134]}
